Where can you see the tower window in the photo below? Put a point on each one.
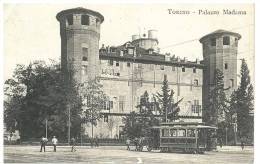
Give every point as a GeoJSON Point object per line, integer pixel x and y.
{"type": "Point", "coordinates": [70, 19]}
{"type": "Point", "coordinates": [196, 82]}
{"type": "Point", "coordinates": [213, 42]}
{"type": "Point", "coordinates": [232, 83]}
{"type": "Point", "coordinates": [117, 64]}
{"type": "Point", "coordinates": [128, 64]}
{"type": "Point", "coordinates": [226, 66]}
{"type": "Point", "coordinates": [226, 40]}
{"type": "Point", "coordinates": [84, 19]}
{"type": "Point", "coordinates": [84, 58]}
{"type": "Point", "coordinates": [183, 69]}
{"type": "Point", "coordinates": [194, 70]}
{"type": "Point", "coordinates": [84, 54]}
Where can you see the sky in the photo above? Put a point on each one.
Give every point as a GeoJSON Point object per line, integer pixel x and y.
{"type": "Point", "coordinates": [31, 31]}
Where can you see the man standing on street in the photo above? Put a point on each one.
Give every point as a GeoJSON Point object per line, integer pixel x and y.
{"type": "Point", "coordinates": [43, 143]}
{"type": "Point", "coordinates": [54, 142]}
{"type": "Point", "coordinates": [128, 144]}
{"type": "Point", "coordinates": [73, 143]}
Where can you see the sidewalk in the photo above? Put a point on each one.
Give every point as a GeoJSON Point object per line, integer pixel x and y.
{"type": "Point", "coordinates": [234, 148]}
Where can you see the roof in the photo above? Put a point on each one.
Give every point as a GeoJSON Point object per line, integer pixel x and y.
{"type": "Point", "coordinates": [143, 56]}
{"type": "Point", "coordinates": [79, 10]}
{"type": "Point", "coordinates": [220, 32]}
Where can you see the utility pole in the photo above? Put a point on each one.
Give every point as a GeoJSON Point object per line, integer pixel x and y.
{"type": "Point", "coordinates": [46, 128]}
{"type": "Point", "coordinates": [69, 125]}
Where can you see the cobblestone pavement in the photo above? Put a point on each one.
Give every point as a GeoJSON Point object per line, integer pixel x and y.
{"type": "Point", "coordinates": [119, 155]}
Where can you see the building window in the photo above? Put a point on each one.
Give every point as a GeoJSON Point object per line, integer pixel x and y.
{"type": "Point", "coordinates": [128, 64]}
{"type": "Point", "coordinates": [162, 67]}
{"type": "Point", "coordinates": [111, 62]}
{"type": "Point", "coordinates": [85, 54]}
{"type": "Point", "coordinates": [84, 19]}
{"type": "Point", "coordinates": [121, 103]}
{"type": "Point", "coordinates": [111, 104]}
{"type": "Point", "coordinates": [226, 66]}
{"type": "Point", "coordinates": [226, 40]}
{"type": "Point", "coordinates": [118, 74]}
{"type": "Point", "coordinates": [196, 82]}
{"type": "Point", "coordinates": [231, 83]}
{"type": "Point", "coordinates": [130, 51]}
{"type": "Point", "coordinates": [139, 65]}
{"type": "Point", "coordinates": [70, 19]}
{"type": "Point", "coordinates": [183, 69]}
{"type": "Point", "coordinates": [213, 42]}
{"type": "Point", "coordinates": [84, 58]}
{"type": "Point", "coordinates": [196, 108]}
{"type": "Point", "coordinates": [194, 70]}
{"type": "Point", "coordinates": [173, 68]}
{"type": "Point", "coordinates": [112, 49]}
{"type": "Point", "coordinates": [105, 118]}
{"type": "Point", "coordinates": [117, 64]}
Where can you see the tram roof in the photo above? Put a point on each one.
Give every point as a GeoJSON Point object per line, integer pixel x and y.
{"type": "Point", "coordinates": [182, 123]}
{"type": "Point", "coordinates": [180, 127]}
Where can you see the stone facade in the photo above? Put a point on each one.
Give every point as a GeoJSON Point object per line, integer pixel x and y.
{"type": "Point", "coordinates": [128, 70]}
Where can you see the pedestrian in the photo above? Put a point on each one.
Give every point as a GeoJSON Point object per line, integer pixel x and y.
{"type": "Point", "coordinates": [242, 145]}
{"type": "Point", "coordinates": [128, 144]}
{"type": "Point", "coordinates": [73, 143]}
{"type": "Point", "coordinates": [96, 141]}
{"type": "Point", "coordinates": [54, 142]}
{"type": "Point", "coordinates": [43, 143]}
{"type": "Point", "coordinates": [136, 143]}
{"type": "Point", "coordinates": [220, 142]}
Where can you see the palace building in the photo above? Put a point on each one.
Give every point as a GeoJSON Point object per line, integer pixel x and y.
{"type": "Point", "coordinates": [128, 70]}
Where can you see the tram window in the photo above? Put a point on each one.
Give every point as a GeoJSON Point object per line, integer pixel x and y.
{"type": "Point", "coordinates": [173, 132]}
{"type": "Point", "coordinates": [165, 132]}
{"type": "Point", "coordinates": [190, 133]}
{"type": "Point", "coordinates": [181, 133]}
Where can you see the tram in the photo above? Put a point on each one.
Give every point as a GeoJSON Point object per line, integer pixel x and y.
{"type": "Point", "coordinates": [184, 136]}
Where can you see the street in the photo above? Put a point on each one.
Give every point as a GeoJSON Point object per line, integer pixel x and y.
{"type": "Point", "coordinates": [119, 155]}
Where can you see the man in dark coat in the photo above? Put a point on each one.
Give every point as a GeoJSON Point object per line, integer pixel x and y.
{"type": "Point", "coordinates": [43, 143]}
{"type": "Point", "coordinates": [73, 143]}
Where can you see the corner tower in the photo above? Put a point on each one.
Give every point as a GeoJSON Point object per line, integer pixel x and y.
{"type": "Point", "coordinates": [219, 52]}
{"type": "Point", "coordinates": [80, 33]}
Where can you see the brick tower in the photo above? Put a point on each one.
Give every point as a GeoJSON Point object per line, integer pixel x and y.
{"type": "Point", "coordinates": [219, 52]}
{"type": "Point", "coordinates": [80, 33]}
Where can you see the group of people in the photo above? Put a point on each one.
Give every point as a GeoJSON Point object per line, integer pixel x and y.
{"type": "Point", "coordinates": [54, 141]}
{"type": "Point", "coordinates": [138, 142]}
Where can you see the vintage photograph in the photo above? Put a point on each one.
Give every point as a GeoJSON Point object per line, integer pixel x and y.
{"type": "Point", "coordinates": [129, 83]}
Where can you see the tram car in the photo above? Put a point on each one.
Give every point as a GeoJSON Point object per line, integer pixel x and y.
{"type": "Point", "coordinates": [184, 136]}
